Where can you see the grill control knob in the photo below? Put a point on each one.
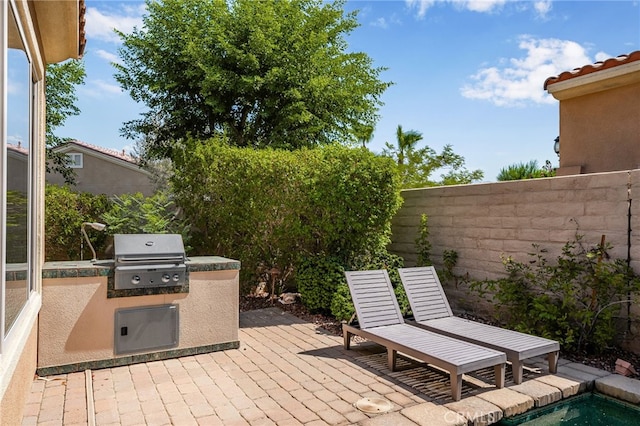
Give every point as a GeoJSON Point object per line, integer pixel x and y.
{"type": "Point", "coordinates": [135, 279]}
{"type": "Point", "coordinates": [166, 278]}
{"type": "Point", "coordinates": [176, 277]}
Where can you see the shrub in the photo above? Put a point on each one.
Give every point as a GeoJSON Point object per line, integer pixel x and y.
{"type": "Point", "coordinates": [65, 211]}
{"type": "Point", "coordinates": [423, 245]}
{"type": "Point", "coordinates": [280, 209]}
{"type": "Point", "coordinates": [137, 214]}
{"type": "Point", "coordinates": [341, 304]}
{"type": "Point", "coordinates": [318, 278]}
{"type": "Point", "coordinates": [423, 248]}
{"type": "Point", "coordinates": [528, 170]}
{"type": "Point", "coordinates": [348, 206]}
{"type": "Point", "coordinates": [573, 301]}
{"type": "Point", "coordinates": [243, 203]}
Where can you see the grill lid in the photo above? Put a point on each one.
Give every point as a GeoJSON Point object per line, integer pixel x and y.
{"type": "Point", "coordinates": [148, 247]}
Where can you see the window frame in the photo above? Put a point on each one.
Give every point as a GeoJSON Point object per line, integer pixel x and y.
{"type": "Point", "coordinates": [13, 339]}
{"type": "Point", "coordinates": [71, 160]}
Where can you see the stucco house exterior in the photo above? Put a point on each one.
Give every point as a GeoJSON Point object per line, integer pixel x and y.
{"type": "Point", "coordinates": [103, 171]}
{"type": "Point", "coordinates": [17, 159]}
{"type": "Point", "coordinates": [599, 116]}
{"type": "Point", "coordinates": [34, 33]}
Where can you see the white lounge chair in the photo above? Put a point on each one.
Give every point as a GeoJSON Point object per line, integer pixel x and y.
{"type": "Point", "coordinates": [432, 312]}
{"type": "Point", "coordinates": [381, 321]}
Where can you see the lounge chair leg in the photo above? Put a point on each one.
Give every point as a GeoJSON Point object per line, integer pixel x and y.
{"type": "Point", "coordinates": [499, 373]}
{"type": "Point", "coordinates": [516, 368]}
{"type": "Point", "coordinates": [347, 338]}
{"type": "Point", "coordinates": [456, 386]}
{"type": "Point", "coordinates": [391, 359]}
{"type": "Point", "coordinates": [553, 362]}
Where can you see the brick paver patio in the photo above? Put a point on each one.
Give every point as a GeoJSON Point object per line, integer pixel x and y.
{"type": "Point", "coordinates": [286, 372]}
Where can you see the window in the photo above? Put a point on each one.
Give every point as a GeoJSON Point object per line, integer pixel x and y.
{"type": "Point", "coordinates": [17, 199]}
{"type": "Point", "coordinates": [74, 160]}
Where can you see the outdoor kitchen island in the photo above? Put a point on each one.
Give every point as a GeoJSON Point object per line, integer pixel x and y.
{"type": "Point", "coordinates": [83, 317]}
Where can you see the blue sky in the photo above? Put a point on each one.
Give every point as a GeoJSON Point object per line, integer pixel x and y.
{"type": "Point", "coordinates": [466, 73]}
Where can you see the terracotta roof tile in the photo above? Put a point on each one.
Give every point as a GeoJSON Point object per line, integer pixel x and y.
{"type": "Point", "coordinates": [82, 39]}
{"type": "Point", "coordinates": [598, 66]}
{"type": "Point", "coordinates": [17, 148]}
{"type": "Point", "coordinates": [111, 152]}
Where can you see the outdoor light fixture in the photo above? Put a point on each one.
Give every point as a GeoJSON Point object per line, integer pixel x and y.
{"type": "Point", "coordinates": [98, 227]}
{"type": "Point", "coordinates": [556, 145]}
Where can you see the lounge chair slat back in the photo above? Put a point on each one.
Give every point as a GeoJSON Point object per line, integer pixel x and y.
{"type": "Point", "coordinates": [425, 292]}
{"type": "Point", "coordinates": [432, 312]}
{"type": "Point", "coordinates": [374, 298]}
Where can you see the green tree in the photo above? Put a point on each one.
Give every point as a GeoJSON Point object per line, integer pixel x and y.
{"type": "Point", "coordinates": [528, 170]}
{"type": "Point", "coordinates": [60, 92]}
{"type": "Point", "coordinates": [364, 134]}
{"type": "Point", "coordinates": [416, 165]}
{"type": "Point", "coordinates": [261, 73]}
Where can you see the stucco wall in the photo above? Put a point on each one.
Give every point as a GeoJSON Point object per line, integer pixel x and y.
{"type": "Point", "coordinates": [99, 176]}
{"type": "Point", "coordinates": [601, 131]}
{"type": "Point", "coordinates": [17, 177]}
{"type": "Point", "coordinates": [77, 319]}
{"type": "Point", "coordinates": [14, 399]}
{"type": "Point", "coordinates": [482, 221]}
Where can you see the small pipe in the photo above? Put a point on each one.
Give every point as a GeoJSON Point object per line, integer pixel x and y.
{"type": "Point", "coordinates": [629, 260]}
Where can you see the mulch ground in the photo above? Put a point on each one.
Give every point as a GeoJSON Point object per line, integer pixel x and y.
{"type": "Point", "coordinates": [604, 361]}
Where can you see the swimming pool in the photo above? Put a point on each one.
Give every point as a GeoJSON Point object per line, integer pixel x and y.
{"type": "Point", "coordinates": [588, 409]}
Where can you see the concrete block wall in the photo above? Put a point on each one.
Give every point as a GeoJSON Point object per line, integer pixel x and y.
{"type": "Point", "coordinates": [481, 222]}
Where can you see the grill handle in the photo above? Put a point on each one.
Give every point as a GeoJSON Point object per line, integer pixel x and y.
{"type": "Point", "coordinates": [149, 267]}
{"type": "Point", "coordinates": [139, 260]}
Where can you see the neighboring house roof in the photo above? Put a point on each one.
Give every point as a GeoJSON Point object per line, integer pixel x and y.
{"type": "Point", "coordinates": [598, 66]}
{"type": "Point", "coordinates": [18, 149]}
{"type": "Point", "coordinates": [82, 21]}
{"type": "Point", "coordinates": [119, 157]}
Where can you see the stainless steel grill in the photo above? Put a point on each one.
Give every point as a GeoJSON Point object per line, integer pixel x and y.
{"type": "Point", "coordinates": [149, 260]}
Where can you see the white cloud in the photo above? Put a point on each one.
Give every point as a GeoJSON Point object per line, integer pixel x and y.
{"type": "Point", "coordinates": [100, 89]}
{"type": "Point", "coordinates": [16, 140]}
{"type": "Point", "coordinates": [384, 23]}
{"type": "Point", "coordinates": [421, 5]}
{"type": "Point", "coordinates": [520, 80]}
{"type": "Point", "coordinates": [542, 8]}
{"type": "Point", "coordinates": [108, 56]}
{"type": "Point", "coordinates": [482, 6]}
{"type": "Point", "coordinates": [380, 22]}
{"type": "Point", "coordinates": [602, 56]}
{"type": "Point", "coordinates": [108, 87]}
{"type": "Point", "coordinates": [14, 87]}
{"type": "Point", "coordinates": [100, 24]}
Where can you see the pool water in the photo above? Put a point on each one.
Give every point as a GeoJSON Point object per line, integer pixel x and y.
{"type": "Point", "coordinates": [588, 409]}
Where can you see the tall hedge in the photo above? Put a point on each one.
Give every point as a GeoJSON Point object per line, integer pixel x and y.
{"type": "Point", "coordinates": [273, 209]}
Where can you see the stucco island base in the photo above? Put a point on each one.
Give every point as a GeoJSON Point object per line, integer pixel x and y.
{"type": "Point", "coordinates": [77, 319]}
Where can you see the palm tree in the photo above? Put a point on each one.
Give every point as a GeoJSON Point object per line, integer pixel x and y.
{"type": "Point", "coordinates": [364, 134]}
{"type": "Point", "coordinates": [406, 143]}
{"type": "Point", "coordinates": [416, 165]}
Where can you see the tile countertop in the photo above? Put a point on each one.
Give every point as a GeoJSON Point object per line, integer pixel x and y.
{"type": "Point", "coordinates": [86, 268]}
